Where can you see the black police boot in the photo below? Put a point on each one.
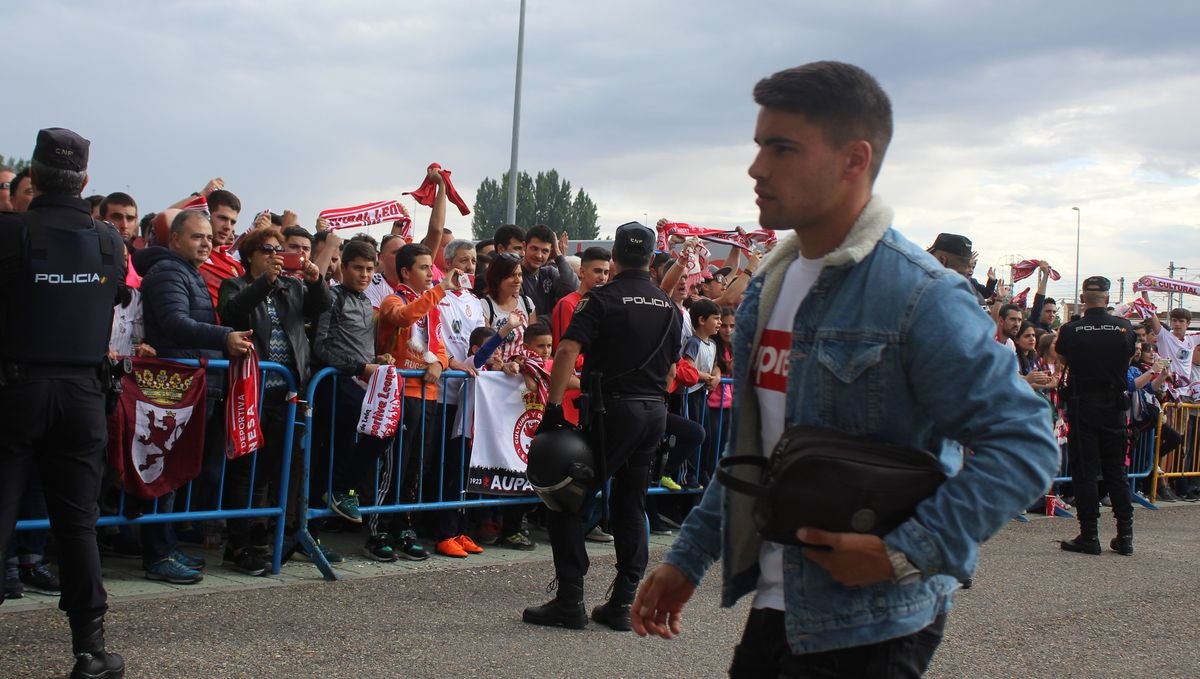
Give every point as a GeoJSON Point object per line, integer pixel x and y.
{"type": "Point", "coordinates": [91, 660]}
{"type": "Point", "coordinates": [1123, 543]}
{"type": "Point", "coordinates": [1088, 540]}
{"type": "Point", "coordinates": [564, 610]}
{"type": "Point", "coordinates": [615, 612]}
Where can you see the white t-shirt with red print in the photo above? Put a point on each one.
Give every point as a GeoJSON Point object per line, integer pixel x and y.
{"type": "Point", "coordinates": [770, 386]}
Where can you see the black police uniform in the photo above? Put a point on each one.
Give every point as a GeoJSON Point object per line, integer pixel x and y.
{"type": "Point", "coordinates": [62, 272]}
{"type": "Point", "coordinates": [1097, 349]}
{"type": "Point", "coordinates": [621, 325]}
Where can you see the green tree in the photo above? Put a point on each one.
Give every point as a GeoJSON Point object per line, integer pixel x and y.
{"type": "Point", "coordinates": [546, 199]}
{"type": "Point", "coordinates": [13, 163]}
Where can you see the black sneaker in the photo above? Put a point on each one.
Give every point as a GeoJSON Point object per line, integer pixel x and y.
{"type": "Point", "coordinates": [244, 561]}
{"type": "Point", "coordinates": [330, 555]}
{"type": "Point", "coordinates": [379, 548]}
{"type": "Point", "coordinates": [118, 545]}
{"type": "Point", "coordinates": [407, 547]}
{"type": "Point", "coordinates": [13, 588]}
{"type": "Point", "coordinates": [518, 541]}
{"type": "Point", "coordinates": [38, 578]}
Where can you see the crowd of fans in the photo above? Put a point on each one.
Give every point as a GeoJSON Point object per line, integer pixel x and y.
{"type": "Point", "coordinates": [311, 299]}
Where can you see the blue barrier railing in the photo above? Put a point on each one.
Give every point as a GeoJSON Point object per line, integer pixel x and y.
{"type": "Point", "coordinates": [322, 384]}
{"type": "Point", "coordinates": [159, 514]}
{"type": "Point", "coordinates": [1139, 465]}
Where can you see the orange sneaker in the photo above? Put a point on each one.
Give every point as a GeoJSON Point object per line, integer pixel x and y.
{"type": "Point", "coordinates": [469, 545]}
{"type": "Point", "coordinates": [450, 547]}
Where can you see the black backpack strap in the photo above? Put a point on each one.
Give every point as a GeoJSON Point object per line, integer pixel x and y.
{"type": "Point", "coordinates": [727, 479]}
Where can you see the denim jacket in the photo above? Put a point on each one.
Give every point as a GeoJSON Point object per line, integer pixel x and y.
{"type": "Point", "coordinates": [887, 344]}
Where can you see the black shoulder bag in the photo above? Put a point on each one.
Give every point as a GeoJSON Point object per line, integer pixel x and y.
{"type": "Point", "coordinates": [823, 478]}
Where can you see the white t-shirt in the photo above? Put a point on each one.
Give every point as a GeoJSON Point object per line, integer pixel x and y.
{"type": "Point", "coordinates": [378, 290]}
{"type": "Point", "coordinates": [461, 313]}
{"type": "Point", "coordinates": [770, 386]}
{"type": "Point", "coordinates": [703, 354]}
{"type": "Point", "coordinates": [1178, 350]}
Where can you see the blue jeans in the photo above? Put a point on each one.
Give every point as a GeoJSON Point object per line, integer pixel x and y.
{"type": "Point", "coordinates": [763, 652]}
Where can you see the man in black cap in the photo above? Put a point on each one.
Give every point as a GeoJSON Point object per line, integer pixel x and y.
{"type": "Point", "coordinates": [954, 252]}
{"type": "Point", "coordinates": [62, 272]}
{"type": "Point", "coordinates": [1097, 349]}
{"type": "Point", "coordinates": [629, 333]}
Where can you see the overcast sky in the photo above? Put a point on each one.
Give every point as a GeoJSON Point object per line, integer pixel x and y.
{"type": "Point", "coordinates": [1007, 113]}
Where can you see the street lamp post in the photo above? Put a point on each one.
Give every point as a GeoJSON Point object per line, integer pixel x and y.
{"type": "Point", "coordinates": [1078, 217]}
{"type": "Point", "coordinates": [516, 133]}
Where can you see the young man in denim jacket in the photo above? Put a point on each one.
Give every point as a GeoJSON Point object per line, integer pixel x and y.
{"type": "Point", "coordinates": [884, 343]}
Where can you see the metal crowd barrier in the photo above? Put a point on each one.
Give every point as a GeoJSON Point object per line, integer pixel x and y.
{"type": "Point", "coordinates": [1183, 462]}
{"type": "Point", "coordinates": [160, 514]}
{"type": "Point", "coordinates": [392, 502]}
{"type": "Point", "coordinates": [1140, 464]}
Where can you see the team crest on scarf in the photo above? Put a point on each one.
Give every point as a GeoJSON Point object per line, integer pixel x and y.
{"type": "Point", "coordinates": [157, 431]}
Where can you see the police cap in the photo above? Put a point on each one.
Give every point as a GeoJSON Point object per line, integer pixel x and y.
{"type": "Point", "coordinates": [61, 148]}
{"type": "Point", "coordinates": [1096, 284]}
{"type": "Point", "coordinates": [635, 239]}
{"type": "Point", "coordinates": [953, 244]}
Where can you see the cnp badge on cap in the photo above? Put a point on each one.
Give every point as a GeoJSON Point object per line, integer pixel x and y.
{"type": "Point", "coordinates": [61, 148]}
{"type": "Point", "coordinates": [634, 239]}
{"type": "Point", "coordinates": [1096, 284]}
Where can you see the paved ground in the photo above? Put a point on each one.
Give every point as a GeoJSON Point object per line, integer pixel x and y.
{"type": "Point", "coordinates": [1034, 611]}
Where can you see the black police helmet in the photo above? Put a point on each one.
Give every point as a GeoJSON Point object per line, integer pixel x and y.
{"type": "Point", "coordinates": [561, 469]}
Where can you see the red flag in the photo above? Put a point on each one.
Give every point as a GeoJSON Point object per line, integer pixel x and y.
{"type": "Point", "coordinates": [242, 423]}
{"type": "Point", "coordinates": [156, 434]}
{"type": "Point", "coordinates": [427, 191]}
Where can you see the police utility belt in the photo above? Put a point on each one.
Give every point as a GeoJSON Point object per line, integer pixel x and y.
{"type": "Point", "coordinates": [823, 478]}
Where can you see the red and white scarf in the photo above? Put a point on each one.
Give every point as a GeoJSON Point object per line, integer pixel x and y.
{"type": "Point", "coordinates": [243, 426]}
{"type": "Point", "coordinates": [197, 203]}
{"type": "Point", "coordinates": [367, 214]}
{"type": "Point", "coordinates": [742, 241]}
{"type": "Point", "coordinates": [1160, 284]}
{"type": "Point", "coordinates": [1025, 268]}
{"type": "Point", "coordinates": [1021, 298]}
{"type": "Point", "coordinates": [382, 405]}
{"type": "Point", "coordinates": [535, 366]}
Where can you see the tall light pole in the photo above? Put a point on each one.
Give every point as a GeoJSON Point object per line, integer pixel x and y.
{"type": "Point", "coordinates": [1078, 217]}
{"type": "Point", "coordinates": [516, 135]}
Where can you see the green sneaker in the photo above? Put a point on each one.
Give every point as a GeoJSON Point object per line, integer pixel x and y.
{"type": "Point", "coordinates": [379, 548]}
{"type": "Point", "coordinates": [669, 483]}
{"type": "Point", "coordinates": [407, 547]}
{"type": "Point", "coordinates": [345, 505]}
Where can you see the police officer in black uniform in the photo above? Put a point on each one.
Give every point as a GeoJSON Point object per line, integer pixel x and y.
{"type": "Point", "coordinates": [629, 332]}
{"type": "Point", "coordinates": [61, 272]}
{"type": "Point", "coordinates": [1097, 349]}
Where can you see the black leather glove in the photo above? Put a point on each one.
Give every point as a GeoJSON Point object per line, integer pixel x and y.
{"type": "Point", "coordinates": [552, 419]}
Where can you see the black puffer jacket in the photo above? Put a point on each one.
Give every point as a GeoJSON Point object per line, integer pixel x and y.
{"type": "Point", "coordinates": [179, 315]}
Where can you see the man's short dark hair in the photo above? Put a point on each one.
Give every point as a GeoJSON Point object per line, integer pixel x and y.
{"type": "Point", "coordinates": [1004, 310]}
{"type": "Point", "coordinates": [1182, 314]}
{"type": "Point", "coordinates": [540, 232]}
{"type": "Point", "coordinates": [300, 232]}
{"type": "Point", "coordinates": [52, 180]}
{"type": "Point", "coordinates": [94, 200]}
{"type": "Point", "coordinates": [1049, 300]}
{"type": "Point", "coordinates": [366, 238]}
{"type": "Point", "coordinates": [480, 245]}
{"type": "Point", "coordinates": [480, 335]}
{"type": "Point", "coordinates": [407, 255]}
{"type": "Point", "coordinates": [844, 100]}
{"type": "Point", "coordinates": [507, 234]}
{"type": "Point", "coordinates": [703, 308]}
{"type": "Point", "coordinates": [357, 249]}
{"type": "Point", "coordinates": [116, 199]}
{"type": "Point", "coordinates": [594, 253]}
{"type": "Point", "coordinates": [220, 198]}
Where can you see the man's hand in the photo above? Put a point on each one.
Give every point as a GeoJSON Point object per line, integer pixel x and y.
{"type": "Point", "coordinates": [658, 608]}
{"type": "Point", "coordinates": [385, 359]}
{"type": "Point", "coordinates": [237, 343]}
{"type": "Point", "coordinates": [435, 175]}
{"type": "Point", "coordinates": [469, 369]}
{"type": "Point", "coordinates": [213, 184]}
{"type": "Point", "coordinates": [322, 225]}
{"type": "Point", "coordinates": [450, 280]}
{"type": "Point", "coordinates": [144, 350]}
{"type": "Point", "coordinates": [511, 368]}
{"type": "Point", "coordinates": [991, 274]}
{"type": "Point", "coordinates": [289, 219]}
{"type": "Point", "coordinates": [433, 372]}
{"type": "Point", "coordinates": [552, 419]}
{"type": "Point", "coordinates": [263, 220]}
{"type": "Point", "coordinates": [853, 559]}
{"type": "Point", "coordinates": [564, 242]}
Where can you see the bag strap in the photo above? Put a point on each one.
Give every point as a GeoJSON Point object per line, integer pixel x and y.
{"type": "Point", "coordinates": [727, 479]}
{"type": "Point", "coordinates": [649, 357]}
